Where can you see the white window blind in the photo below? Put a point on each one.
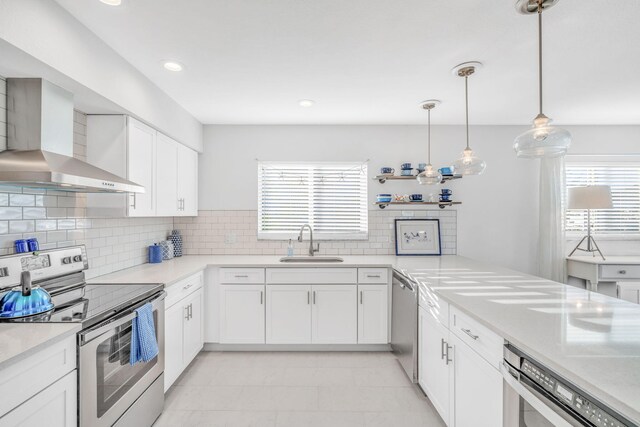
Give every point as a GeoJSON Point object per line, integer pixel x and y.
{"type": "Point", "coordinates": [331, 197]}
{"type": "Point", "coordinates": [624, 179]}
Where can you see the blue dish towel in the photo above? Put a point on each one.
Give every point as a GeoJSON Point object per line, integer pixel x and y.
{"type": "Point", "coordinates": [144, 345]}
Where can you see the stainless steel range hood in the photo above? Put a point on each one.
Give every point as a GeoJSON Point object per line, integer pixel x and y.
{"type": "Point", "coordinates": [40, 143]}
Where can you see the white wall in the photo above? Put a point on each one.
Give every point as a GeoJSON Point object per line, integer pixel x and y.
{"type": "Point", "coordinates": [497, 221]}
{"type": "Point", "coordinates": [45, 31]}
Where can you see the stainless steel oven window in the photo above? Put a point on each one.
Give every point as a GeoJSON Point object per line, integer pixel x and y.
{"type": "Point", "coordinates": [114, 375]}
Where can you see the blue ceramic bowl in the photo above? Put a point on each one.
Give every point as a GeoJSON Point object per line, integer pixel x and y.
{"type": "Point", "coordinates": [415, 197]}
{"type": "Point", "coordinates": [446, 171]}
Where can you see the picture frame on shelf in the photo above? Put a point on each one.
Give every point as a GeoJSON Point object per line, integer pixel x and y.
{"type": "Point", "coordinates": [418, 237]}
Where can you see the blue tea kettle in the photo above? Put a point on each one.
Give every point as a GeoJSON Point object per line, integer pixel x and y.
{"type": "Point", "coordinates": [25, 300]}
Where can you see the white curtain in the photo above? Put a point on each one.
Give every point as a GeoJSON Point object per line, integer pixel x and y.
{"type": "Point", "coordinates": [551, 243]}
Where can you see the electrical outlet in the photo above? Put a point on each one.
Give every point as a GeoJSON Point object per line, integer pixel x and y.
{"type": "Point", "coordinates": [230, 238]}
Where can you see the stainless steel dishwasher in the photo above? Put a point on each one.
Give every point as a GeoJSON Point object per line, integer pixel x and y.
{"type": "Point", "coordinates": [404, 323]}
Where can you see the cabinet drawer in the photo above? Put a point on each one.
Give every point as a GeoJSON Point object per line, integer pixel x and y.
{"type": "Point", "coordinates": [24, 379]}
{"type": "Point", "coordinates": [620, 271]}
{"type": "Point", "coordinates": [242, 275]}
{"type": "Point", "coordinates": [483, 341]}
{"type": "Point", "coordinates": [373, 275]}
{"type": "Point", "coordinates": [434, 305]}
{"type": "Point", "coordinates": [183, 288]}
{"type": "Point", "coordinates": [322, 275]}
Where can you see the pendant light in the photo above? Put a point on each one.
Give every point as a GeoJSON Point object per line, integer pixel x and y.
{"type": "Point", "coordinates": [429, 176]}
{"type": "Point", "coordinates": [468, 164]}
{"type": "Point", "coordinates": [542, 140]}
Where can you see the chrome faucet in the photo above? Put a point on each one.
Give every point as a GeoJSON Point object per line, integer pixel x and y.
{"type": "Point", "coordinates": [312, 250]}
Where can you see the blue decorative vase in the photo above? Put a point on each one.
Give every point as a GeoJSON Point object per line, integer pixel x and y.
{"type": "Point", "coordinates": [176, 239]}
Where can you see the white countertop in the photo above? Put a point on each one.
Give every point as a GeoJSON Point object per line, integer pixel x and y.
{"type": "Point", "coordinates": [589, 338]}
{"type": "Point", "coordinates": [626, 260]}
{"type": "Point", "coordinates": [20, 340]}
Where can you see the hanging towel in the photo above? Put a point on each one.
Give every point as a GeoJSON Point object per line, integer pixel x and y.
{"type": "Point", "coordinates": [144, 345]}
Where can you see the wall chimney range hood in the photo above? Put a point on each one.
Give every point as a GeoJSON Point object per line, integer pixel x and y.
{"type": "Point", "coordinates": [39, 152]}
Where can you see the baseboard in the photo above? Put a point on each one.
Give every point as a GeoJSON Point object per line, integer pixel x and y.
{"type": "Point", "coordinates": [296, 347]}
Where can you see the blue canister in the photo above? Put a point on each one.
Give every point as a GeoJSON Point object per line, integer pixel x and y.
{"type": "Point", "coordinates": [21, 246]}
{"type": "Point", "coordinates": [33, 244]}
{"type": "Point", "coordinates": [155, 254]}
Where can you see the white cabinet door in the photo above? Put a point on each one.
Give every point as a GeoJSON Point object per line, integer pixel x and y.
{"type": "Point", "coordinates": [141, 153]}
{"type": "Point", "coordinates": [55, 406]}
{"type": "Point", "coordinates": [166, 176]}
{"type": "Point", "coordinates": [288, 314]}
{"type": "Point", "coordinates": [433, 369]}
{"type": "Point", "coordinates": [174, 318]}
{"type": "Point", "coordinates": [242, 314]}
{"type": "Point", "coordinates": [373, 314]}
{"type": "Point", "coordinates": [334, 317]}
{"type": "Point", "coordinates": [187, 181]}
{"type": "Point", "coordinates": [477, 389]}
{"type": "Point", "coordinates": [193, 331]}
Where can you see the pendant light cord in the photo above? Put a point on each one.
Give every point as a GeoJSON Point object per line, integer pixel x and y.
{"type": "Point", "coordinates": [540, 52]}
{"type": "Point", "coordinates": [466, 103]}
{"type": "Point", "coordinates": [429, 135]}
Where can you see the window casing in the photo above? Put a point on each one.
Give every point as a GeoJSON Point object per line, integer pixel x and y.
{"type": "Point", "coordinates": [624, 179]}
{"type": "Point", "coordinates": [331, 197]}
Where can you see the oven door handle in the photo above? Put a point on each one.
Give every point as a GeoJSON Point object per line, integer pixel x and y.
{"type": "Point", "coordinates": [96, 331]}
{"type": "Point", "coordinates": [545, 406]}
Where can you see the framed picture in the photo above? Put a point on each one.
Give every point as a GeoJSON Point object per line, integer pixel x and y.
{"type": "Point", "coordinates": [418, 236]}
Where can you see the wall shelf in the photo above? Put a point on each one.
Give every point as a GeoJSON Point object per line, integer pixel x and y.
{"type": "Point", "coordinates": [441, 205]}
{"type": "Point", "coordinates": [384, 178]}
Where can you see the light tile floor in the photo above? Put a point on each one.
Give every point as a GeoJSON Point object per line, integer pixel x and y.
{"type": "Point", "coordinates": [300, 389]}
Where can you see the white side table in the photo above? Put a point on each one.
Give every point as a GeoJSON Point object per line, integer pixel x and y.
{"type": "Point", "coordinates": [595, 270]}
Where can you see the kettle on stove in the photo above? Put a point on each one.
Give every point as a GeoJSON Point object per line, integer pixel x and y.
{"type": "Point", "coordinates": [25, 300]}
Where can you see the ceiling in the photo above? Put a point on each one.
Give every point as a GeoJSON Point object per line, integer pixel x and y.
{"type": "Point", "coordinates": [373, 61]}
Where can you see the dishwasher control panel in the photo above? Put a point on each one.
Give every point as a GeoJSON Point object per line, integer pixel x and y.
{"type": "Point", "coordinates": [584, 406]}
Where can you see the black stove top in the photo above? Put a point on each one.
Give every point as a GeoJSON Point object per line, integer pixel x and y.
{"type": "Point", "coordinates": [90, 304]}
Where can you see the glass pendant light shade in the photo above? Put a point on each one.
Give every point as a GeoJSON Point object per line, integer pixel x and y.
{"type": "Point", "coordinates": [429, 176]}
{"type": "Point", "coordinates": [469, 164]}
{"type": "Point", "coordinates": [542, 140]}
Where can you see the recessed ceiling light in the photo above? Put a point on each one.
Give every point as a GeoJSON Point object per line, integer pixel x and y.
{"type": "Point", "coordinates": [306, 103]}
{"type": "Point", "coordinates": [172, 65]}
{"type": "Point", "coordinates": [112, 2]}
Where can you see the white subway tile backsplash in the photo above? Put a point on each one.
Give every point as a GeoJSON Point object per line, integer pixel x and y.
{"type": "Point", "coordinates": [22, 200]}
{"type": "Point", "coordinates": [34, 213]}
{"type": "Point", "coordinates": [10, 213]}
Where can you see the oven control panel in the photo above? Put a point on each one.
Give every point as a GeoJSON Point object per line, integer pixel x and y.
{"type": "Point", "coordinates": [582, 405]}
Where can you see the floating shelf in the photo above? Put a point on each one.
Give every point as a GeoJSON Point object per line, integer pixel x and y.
{"type": "Point", "coordinates": [383, 178]}
{"type": "Point", "coordinates": [441, 205]}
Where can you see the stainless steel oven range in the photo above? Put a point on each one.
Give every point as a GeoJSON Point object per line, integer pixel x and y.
{"type": "Point", "coordinates": [111, 391]}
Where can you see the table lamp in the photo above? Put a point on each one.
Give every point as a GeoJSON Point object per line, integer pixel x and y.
{"type": "Point", "coordinates": [590, 197]}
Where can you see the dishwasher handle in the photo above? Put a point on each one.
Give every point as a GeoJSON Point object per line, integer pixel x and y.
{"type": "Point", "coordinates": [403, 281]}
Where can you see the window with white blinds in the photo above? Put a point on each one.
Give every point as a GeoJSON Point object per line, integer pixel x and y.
{"type": "Point", "coordinates": [624, 179]}
{"type": "Point", "coordinates": [331, 197]}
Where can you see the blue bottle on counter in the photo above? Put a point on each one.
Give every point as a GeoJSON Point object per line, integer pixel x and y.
{"type": "Point", "coordinates": [33, 244]}
{"type": "Point", "coordinates": [21, 246]}
{"type": "Point", "coordinates": [155, 254]}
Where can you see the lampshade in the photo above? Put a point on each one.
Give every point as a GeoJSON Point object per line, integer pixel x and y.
{"type": "Point", "coordinates": [590, 197]}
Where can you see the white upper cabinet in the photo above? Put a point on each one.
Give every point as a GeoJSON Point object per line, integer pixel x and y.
{"type": "Point", "coordinates": [128, 148]}
{"type": "Point", "coordinates": [187, 181]}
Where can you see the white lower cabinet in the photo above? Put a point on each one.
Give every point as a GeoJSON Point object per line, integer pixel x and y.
{"type": "Point", "coordinates": [477, 388]}
{"type": "Point", "coordinates": [288, 314]}
{"type": "Point", "coordinates": [242, 314]}
{"type": "Point", "coordinates": [373, 314]}
{"type": "Point", "coordinates": [433, 367]}
{"type": "Point", "coordinates": [184, 332]}
{"type": "Point", "coordinates": [461, 379]}
{"type": "Point", "coordinates": [55, 406]}
{"type": "Point", "coordinates": [334, 314]}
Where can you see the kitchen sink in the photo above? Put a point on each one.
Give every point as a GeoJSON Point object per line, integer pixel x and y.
{"type": "Point", "coordinates": [311, 259]}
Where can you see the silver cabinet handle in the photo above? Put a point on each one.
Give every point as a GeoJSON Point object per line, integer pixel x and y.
{"type": "Point", "coordinates": [361, 297]}
{"type": "Point", "coordinates": [186, 309]}
{"type": "Point", "coordinates": [374, 276]}
{"type": "Point", "coordinates": [314, 297]}
{"type": "Point", "coordinates": [261, 297]}
{"type": "Point", "coordinates": [431, 304]}
{"type": "Point", "coordinates": [448, 360]}
{"type": "Point", "coordinates": [468, 332]}
{"type": "Point", "coordinates": [622, 272]}
{"type": "Point", "coordinates": [241, 276]}
{"type": "Point", "coordinates": [191, 311]}
{"type": "Point", "coordinates": [442, 350]}
{"type": "Point", "coordinates": [178, 204]}
{"type": "Point", "coordinates": [181, 204]}
{"type": "Point", "coordinates": [187, 286]}
{"type": "Point", "coordinates": [134, 200]}
{"type": "Point", "coordinates": [308, 297]}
